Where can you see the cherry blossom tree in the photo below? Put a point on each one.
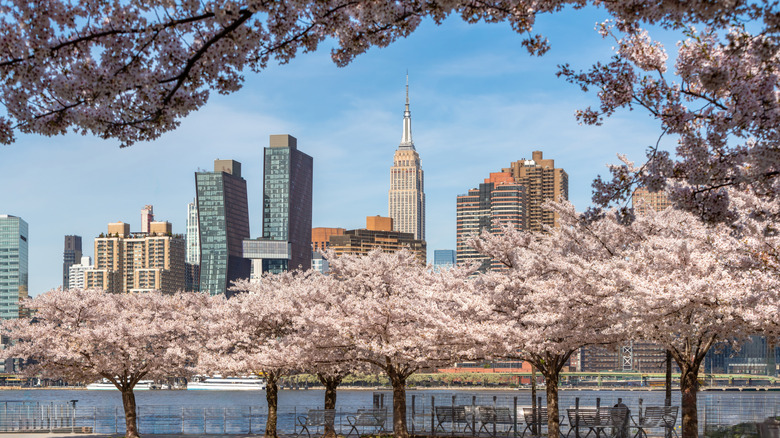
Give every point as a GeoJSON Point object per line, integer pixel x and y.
{"type": "Point", "coordinates": [325, 353]}
{"type": "Point", "coordinates": [719, 104]}
{"type": "Point", "coordinates": [132, 70]}
{"type": "Point", "coordinates": [667, 277]}
{"type": "Point", "coordinates": [694, 286]}
{"type": "Point", "coordinates": [393, 313]}
{"type": "Point", "coordinates": [551, 298]}
{"type": "Point", "coordinates": [254, 332]}
{"type": "Point", "coordinates": [86, 335]}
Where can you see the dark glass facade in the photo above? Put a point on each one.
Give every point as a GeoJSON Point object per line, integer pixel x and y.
{"type": "Point", "coordinates": [223, 215]}
{"type": "Point", "coordinates": [70, 257]}
{"type": "Point", "coordinates": [287, 201]}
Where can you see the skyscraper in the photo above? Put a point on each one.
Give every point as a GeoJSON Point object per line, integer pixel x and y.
{"type": "Point", "coordinates": [406, 200]}
{"type": "Point", "coordinates": [193, 248]}
{"type": "Point", "coordinates": [13, 265]}
{"type": "Point", "coordinates": [287, 204]}
{"type": "Point", "coordinates": [193, 234]}
{"type": "Point", "coordinates": [223, 218]}
{"type": "Point", "coordinates": [499, 200]}
{"type": "Point", "coordinates": [542, 182]}
{"type": "Point", "coordinates": [141, 262]}
{"type": "Point", "coordinates": [70, 257]}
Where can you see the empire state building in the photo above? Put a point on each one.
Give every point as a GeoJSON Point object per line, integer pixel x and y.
{"type": "Point", "coordinates": [407, 197]}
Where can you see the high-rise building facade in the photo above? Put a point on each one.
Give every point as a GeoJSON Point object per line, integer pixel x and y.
{"type": "Point", "coordinates": [76, 274]}
{"type": "Point", "coordinates": [193, 234]}
{"type": "Point", "coordinates": [377, 234]}
{"type": "Point", "coordinates": [223, 220]}
{"type": "Point", "coordinates": [192, 258]}
{"type": "Point", "coordinates": [142, 262]}
{"type": "Point", "coordinates": [542, 182]}
{"type": "Point", "coordinates": [499, 200]}
{"type": "Point", "coordinates": [406, 200]}
{"type": "Point", "coordinates": [287, 204]}
{"type": "Point", "coordinates": [14, 274]}
{"type": "Point", "coordinates": [70, 256]}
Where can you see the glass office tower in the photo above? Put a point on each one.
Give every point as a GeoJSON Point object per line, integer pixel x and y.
{"type": "Point", "coordinates": [13, 265]}
{"type": "Point", "coordinates": [287, 202]}
{"type": "Point", "coordinates": [223, 217]}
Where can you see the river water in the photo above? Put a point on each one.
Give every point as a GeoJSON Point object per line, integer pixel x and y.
{"type": "Point", "coordinates": [715, 407]}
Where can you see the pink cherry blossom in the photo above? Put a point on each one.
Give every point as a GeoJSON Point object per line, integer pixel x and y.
{"type": "Point", "coordinates": [85, 335]}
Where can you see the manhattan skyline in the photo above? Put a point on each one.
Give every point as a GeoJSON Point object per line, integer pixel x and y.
{"type": "Point", "coordinates": [479, 100]}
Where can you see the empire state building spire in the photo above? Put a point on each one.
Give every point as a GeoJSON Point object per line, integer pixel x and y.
{"type": "Point", "coordinates": [406, 138]}
{"type": "Point", "coordinates": [407, 193]}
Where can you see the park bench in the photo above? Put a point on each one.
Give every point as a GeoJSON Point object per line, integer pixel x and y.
{"type": "Point", "coordinates": [600, 421]}
{"type": "Point", "coordinates": [490, 417]}
{"type": "Point", "coordinates": [534, 420]}
{"type": "Point", "coordinates": [373, 419]}
{"type": "Point", "coordinates": [454, 416]}
{"type": "Point", "coordinates": [315, 419]}
{"type": "Point", "coordinates": [656, 417]}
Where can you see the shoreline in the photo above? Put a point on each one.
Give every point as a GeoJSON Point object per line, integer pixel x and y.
{"type": "Point", "coordinates": [454, 388]}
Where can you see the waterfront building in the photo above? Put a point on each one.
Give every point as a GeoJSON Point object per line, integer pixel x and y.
{"type": "Point", "coordinates": [142, 262]}
{"type": "Point", "coordinates": [70, 256]}
{"type": "Point", "coordinates": [755, 356]}
{"type": "Point", "coordinates": [223, 220]}
{"type": "Point", "coordinates": [542, 182]}
{"type": "Point", "coordinates": [192, 255]}
{"type": "Point", "coordinates": [377, 234]}
{"type": "Point", "coordinates": [14, 274]}
{"type": "Point", "coordinates": [499, 200]}
{"type": "Point", "coordinates": [287, 205]}
{"type": "Point", "coordinates": [443, 259]}
{"type": "Point", "coordinates": [76, 273]}
{"type": "Point", "coordinates": [147, 217]}
{"type": "Point", "coordinates": [406, 200]}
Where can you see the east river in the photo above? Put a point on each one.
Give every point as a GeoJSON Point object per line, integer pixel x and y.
{"type": "Point", "coordinates": [715, 407]}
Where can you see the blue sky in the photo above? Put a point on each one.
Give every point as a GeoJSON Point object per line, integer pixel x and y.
{"type": "Point", "coordinates": [478, 102]}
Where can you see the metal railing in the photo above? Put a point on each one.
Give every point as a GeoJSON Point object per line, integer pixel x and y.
{"type": "Point", "coordinates": [719, 414]}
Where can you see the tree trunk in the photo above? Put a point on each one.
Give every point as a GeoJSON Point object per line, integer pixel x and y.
{"type": "Point", "coordinates": [551, 383]}
{"type": "Point", "coordinates": [331, 383]}
{"type": "Point", "coordinates": [399, 403]}
{"type": "Point", "coordinates": [533, 397]}
{"type": "Point", "coordinates": [689, 387]}
{"type": "Point", "coordinates": [668, 382]}
{"type": "Point", "coordinates": [128, 402]}
{"type": "Point", "coordinates": [272, 397]}
{"type": "Point", "coordinates": [668, 388]}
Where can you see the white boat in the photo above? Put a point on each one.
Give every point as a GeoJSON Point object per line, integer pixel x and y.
{"type": "Point", "coordinates": [142, 385]}
{"type": "Point", "coordinates": [218, 383]}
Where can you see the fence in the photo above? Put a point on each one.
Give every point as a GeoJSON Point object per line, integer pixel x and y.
{"type": "Point", "coordinates": [431, 414]}
{"type": "Point", "coordinates": [18, 415]}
